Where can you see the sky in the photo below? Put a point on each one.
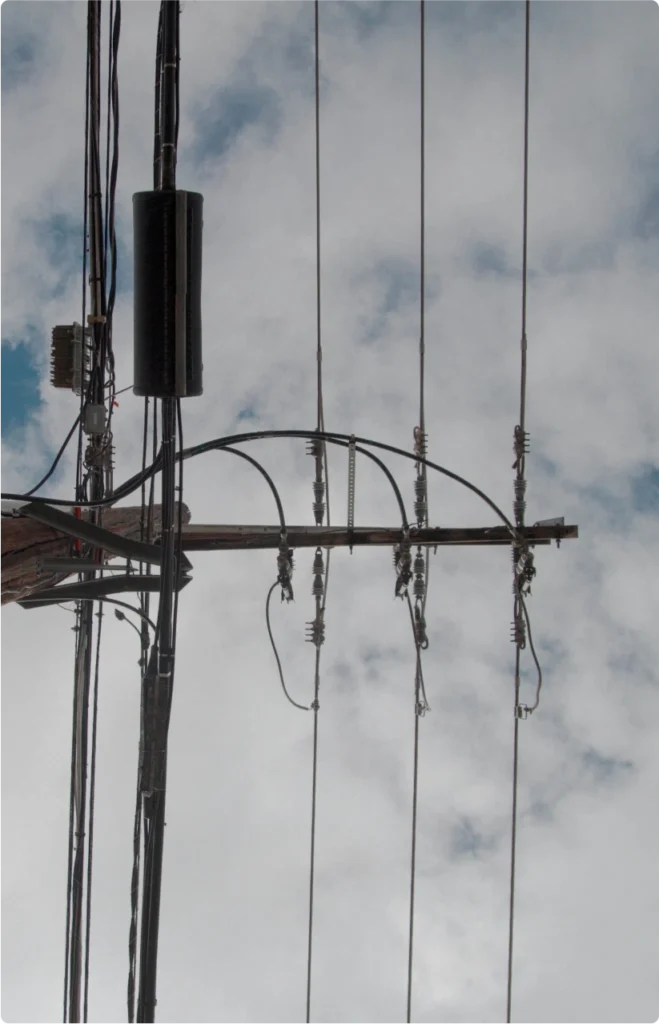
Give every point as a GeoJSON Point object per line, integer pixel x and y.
{"type": "Point", "coordinates": [235, 885]}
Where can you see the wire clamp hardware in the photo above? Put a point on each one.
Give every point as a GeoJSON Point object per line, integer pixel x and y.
{"type": "Point", "coordinates": [403, 564]}
{"type": "Point", "coordinates": [316, 631]}
{"type": "Point", "coordinates": [285, 568]}
{"type": "Point", "coordinates": [522, 711]}
{"type": "Point", "coordinates": [521, 445]}
{"type": "Point", "coordinates": [318, 573]}
{"type": "Point", "coordinates": [518, 632]}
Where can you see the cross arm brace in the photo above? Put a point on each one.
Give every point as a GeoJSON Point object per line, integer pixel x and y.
{"type": "Point", "coordinates": [97, 536]}
{"type": "Point", "coordinates": [228, 538]}
{"type": "Point", "coordinates": [95, 589]}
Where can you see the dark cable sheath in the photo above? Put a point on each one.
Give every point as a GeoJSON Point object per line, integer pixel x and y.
{"type": "Point", "coordinates": [268, 478]}
{"type": "Point", "coordinates": [216, 445]}
{"type": "Point", "coordinates": [520, 515]}
{"type": "Point", "coordinates": [122, 604]}
{"type": "Point", "coordinates": [295, 704]}
{"type": "Point", "coordinates": [513, 843]}
{"type": "Point", "coordinates": [56, 459]}
{"type": "Point", "coordinates": [92, 797]}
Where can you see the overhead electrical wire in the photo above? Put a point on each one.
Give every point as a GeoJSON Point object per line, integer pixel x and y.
{"type": "Point", "coordinates": [420, 701]}
{"type": "Point", "coordinates": [92, 799]}
{"type": "Point", "coordinates": [520, 485]}
{"type": "Point", "coordinates": [217, 444]}
{"type": "Point", "coordinates": [318, 634]}
{"type": "Point", "coordinates": [93, 471]}
{"type": "Point", "coordinates": [159, 677]}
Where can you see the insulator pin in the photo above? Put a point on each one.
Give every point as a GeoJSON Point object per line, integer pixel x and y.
{"type": "Point", "coordinates": [518, 632]}
{"type": "Point", "coordinates": [319, 503]}
{"type": "Point", "coordinates": [316, 631]}
{"type": "Point", "coordinates": [419, 576]}
{"type": "Point", "coordinates": [285, 569]}
{"type": "Point", "coordinates": [318, 573]}
{"type": "Point", "coordinates": [421, 500]}
{"type": "Point", "coordinates": [420, 633]}
{"type": "Point", "coordinates": [403, 563]}
{"type": "Point", "coordinates": [520, 503]}
{"type": "Point", "coordinates": [521, 445]}
{"type": "Point", "coordinates": [420, 443]}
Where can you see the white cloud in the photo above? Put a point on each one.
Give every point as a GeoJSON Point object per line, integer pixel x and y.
{"type": "Point", "coordinates": [233, 922]}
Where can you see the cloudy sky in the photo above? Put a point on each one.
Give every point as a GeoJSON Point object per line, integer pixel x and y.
{"type": "Point", "coordinates": [233, 920]}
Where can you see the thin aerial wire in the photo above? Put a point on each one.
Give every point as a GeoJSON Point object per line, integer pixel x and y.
{"type": "Point", "coordinates": [422, 259]}
{"type": "Point", "coordinates": [216, 444]}
{"type": "Point", "coordinates": [522, 397]}
{"type": "Point", "coordinates": [69, 873]}
{"type": "Point", "coordinates": [410, 956]}
{"type": "Point", "coordinates": [92, 796]}
{"type": "Point", "coordinates": [418, 684]}
{"type": "Point", "coordinates": [513, 843]}
{"type": "Point", "coordinates": [320, 606]}
{"type": "Point", "coordinates": [520, 476]}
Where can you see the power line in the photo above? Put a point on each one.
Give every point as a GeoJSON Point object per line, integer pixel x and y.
{"type": "Point", "coordinates": [318, 626]}
{"type": "Point", "coordinates": [520, 446]}
{"type": "Point", "coordinates": [421, 508]}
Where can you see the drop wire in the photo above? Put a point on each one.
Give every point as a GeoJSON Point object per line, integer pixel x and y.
{"type": "Point", "coordinates": [418, 682]}
{"type": "Point", "coordinates": [520, 477]}
{"type": "Point", "coordinates": [320, 608]}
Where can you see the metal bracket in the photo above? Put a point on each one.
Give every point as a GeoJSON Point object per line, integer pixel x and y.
{"type": "Point", "coordinates": [98, 536]}
{"type": "Point", "coordinates": [93, 590]}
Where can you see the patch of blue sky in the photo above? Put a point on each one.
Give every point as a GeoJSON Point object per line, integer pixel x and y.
{"type": "Point", "coordinates": [367, 16]}
{"type": "Point", "coordinates": [645, 490]}
{"type": "Point", "coordinates": [18, 57]}
{"type": "Point", "coordinates": [231, 111]}
{"type": "Point", "coordinates": [21, 396]}
{"type": "Point", "coordinates": [60, 239]}
{"type": "Point", "coordinates": [467, 839]}
{"type": "Point", "coordinates": [248, 412]}
{"type": "Point", "coordinates": [605, 769]}
{"type": "Point", "coordinates": [397, 281]}
{"type": "Point", "coordinates": [491, 259]}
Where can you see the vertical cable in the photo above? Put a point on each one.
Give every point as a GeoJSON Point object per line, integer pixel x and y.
{"type": "Point", "coordinates": [421, 507]}
{"type": "Point", "coordinates": [92, 796]}
{"type": "Point", "coordinates": [69, 877]}
{"type": "Point", "coordinates": [410, 957]}
{"type": "Point", "coordinates": [520, 485]}
{"type": "Point", "coordinates": [522, 397]}
{"type": "Point", "coordinates": [513, 837]}
{"type": "Point", "coordinates": [320, 606]}
{"type": "Point", "coordinates": [422, 254]}
{"type": "Point", "coordinates": [313, 830]}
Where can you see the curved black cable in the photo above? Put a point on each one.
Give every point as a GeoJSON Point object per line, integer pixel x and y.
{"type": "Point", "coordinates": [56, 460]}
{"type": "Point", "coordinates": [268, 478]}
{"type": "Point", "coordinates": [223, 442]}
{"type": "Point", "coordinates": [295, 704]}
{"type": "Point", "coordinates": [114, 600]}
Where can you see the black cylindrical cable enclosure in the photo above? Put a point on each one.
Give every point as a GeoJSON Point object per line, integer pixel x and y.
{"type": "Point", "coordinates": [167, 228]}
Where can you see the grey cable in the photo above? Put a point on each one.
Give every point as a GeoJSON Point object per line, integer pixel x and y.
{"type": "Point", "coordinates": [422, 427]}
{"type": "Point", "coordinates": [513, 845]}
{"type": "Point", "coordinates": [274, 648]}
{"type": "Point", "coordinates": [520, 515]}
{"type": "Point", "coordinates": [533, 706]}
{"type": "Point", "coordinates": [320, 606]}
